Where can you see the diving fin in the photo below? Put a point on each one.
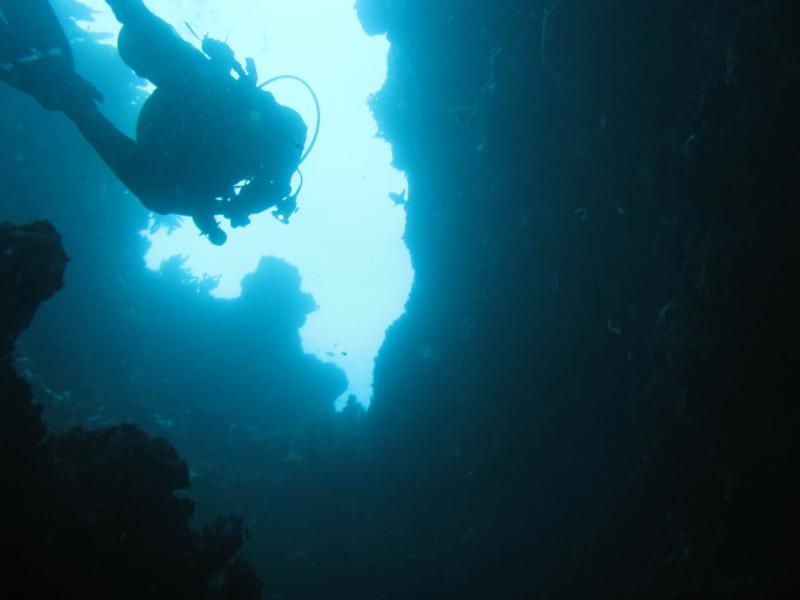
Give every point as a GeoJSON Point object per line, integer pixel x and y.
{"type": "Point", "coordinates": [35, 56]}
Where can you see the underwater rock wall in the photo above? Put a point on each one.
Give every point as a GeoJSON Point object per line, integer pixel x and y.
{"type": "Point", "coordinates": [32, 271]}
{"type": "Point", "coordinates": [32, 265]}
{"type": "Point", "coordinates": [583, 396]}
{"type": "Point", "coordinates": [93, 514]}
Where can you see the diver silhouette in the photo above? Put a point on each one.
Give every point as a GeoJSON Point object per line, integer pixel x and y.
{"type": "Point", "coordinates": [209, 141]}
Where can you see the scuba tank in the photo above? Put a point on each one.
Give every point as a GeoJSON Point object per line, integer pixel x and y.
{"type": "Point", "coordinates": [221, 54]}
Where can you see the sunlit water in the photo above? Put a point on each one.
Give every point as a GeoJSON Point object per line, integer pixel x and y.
{"type": "Point", "coordinates": [346, 238]}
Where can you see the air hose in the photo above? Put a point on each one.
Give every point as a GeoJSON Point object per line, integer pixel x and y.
{"type": "Point", "coordinates": [316, 104]}
{"type": "Point", "coordinates": [289, 205]}
{"type": "Point", "coordinates": [265, 84]}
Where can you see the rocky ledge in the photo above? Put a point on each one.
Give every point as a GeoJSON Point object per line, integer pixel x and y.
{"type": "Point", "coordinates": [94, 513]}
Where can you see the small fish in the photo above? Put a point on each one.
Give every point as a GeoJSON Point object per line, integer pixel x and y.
{"type": "Point", "coordinates": [613, 327]}
{"type": "Point", "coordinates": [3, 17]}
{"type": "Point", "coordinates": [398, 199]}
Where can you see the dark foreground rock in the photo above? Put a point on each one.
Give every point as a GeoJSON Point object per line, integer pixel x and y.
{"type": "Point", "coordinates": [32, 264]}
{"type": "Point", "coordinates": [94, 513]}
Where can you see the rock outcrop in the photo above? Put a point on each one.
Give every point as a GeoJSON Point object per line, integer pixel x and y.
{"type": "Point", "coordinates": [583, 399]}
{"type": "Point", "coordinates": [94, 514]}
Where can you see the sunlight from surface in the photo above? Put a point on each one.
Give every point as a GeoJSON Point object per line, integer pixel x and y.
{"type": "Point", "coordinates": [346, 239]}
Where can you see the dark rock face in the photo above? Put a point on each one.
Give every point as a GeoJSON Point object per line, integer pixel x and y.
{"type": "Point", "coordinates": [31, 270]}
{"type": "Point", "coordinates": [32, 265]}
{"type": "Point", "coordinates": [583, 397]}
{"type": "Point", "coordinates": [94, 514]}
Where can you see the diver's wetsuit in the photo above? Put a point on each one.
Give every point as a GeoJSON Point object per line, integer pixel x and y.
{"type": "Point", "coordinates": [200, 133]}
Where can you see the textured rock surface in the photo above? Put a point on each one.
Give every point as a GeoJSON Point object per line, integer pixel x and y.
{"type": "Point", "coordinates": [31, 270]}
{"type": "Point", "coordinates": [93, 514]}
{"type": "Point", "coordinates": [583, 397]}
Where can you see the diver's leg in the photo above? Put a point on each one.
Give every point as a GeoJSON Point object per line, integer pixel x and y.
{"type": "Point", "coordinates": [152, 47]}
{"type": "Point", "coordinates": [125, 10]}
{"type": "Point", "coordinates": [35, 56]}
{"type": "Point", "coordinates": [116, 149]}
{"type": "Point", "coordinates": [28, 26]}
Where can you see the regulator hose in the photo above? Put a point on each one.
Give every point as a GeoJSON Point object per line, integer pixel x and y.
{"type": "Point", "coordinates": [316, 104]}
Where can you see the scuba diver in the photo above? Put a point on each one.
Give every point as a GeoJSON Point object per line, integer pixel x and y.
{"type": "Point", "coordinates": [209, 140]}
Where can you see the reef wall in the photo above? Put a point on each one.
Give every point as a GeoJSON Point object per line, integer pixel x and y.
{"type": "Point", "coordinates": [583, 397]}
